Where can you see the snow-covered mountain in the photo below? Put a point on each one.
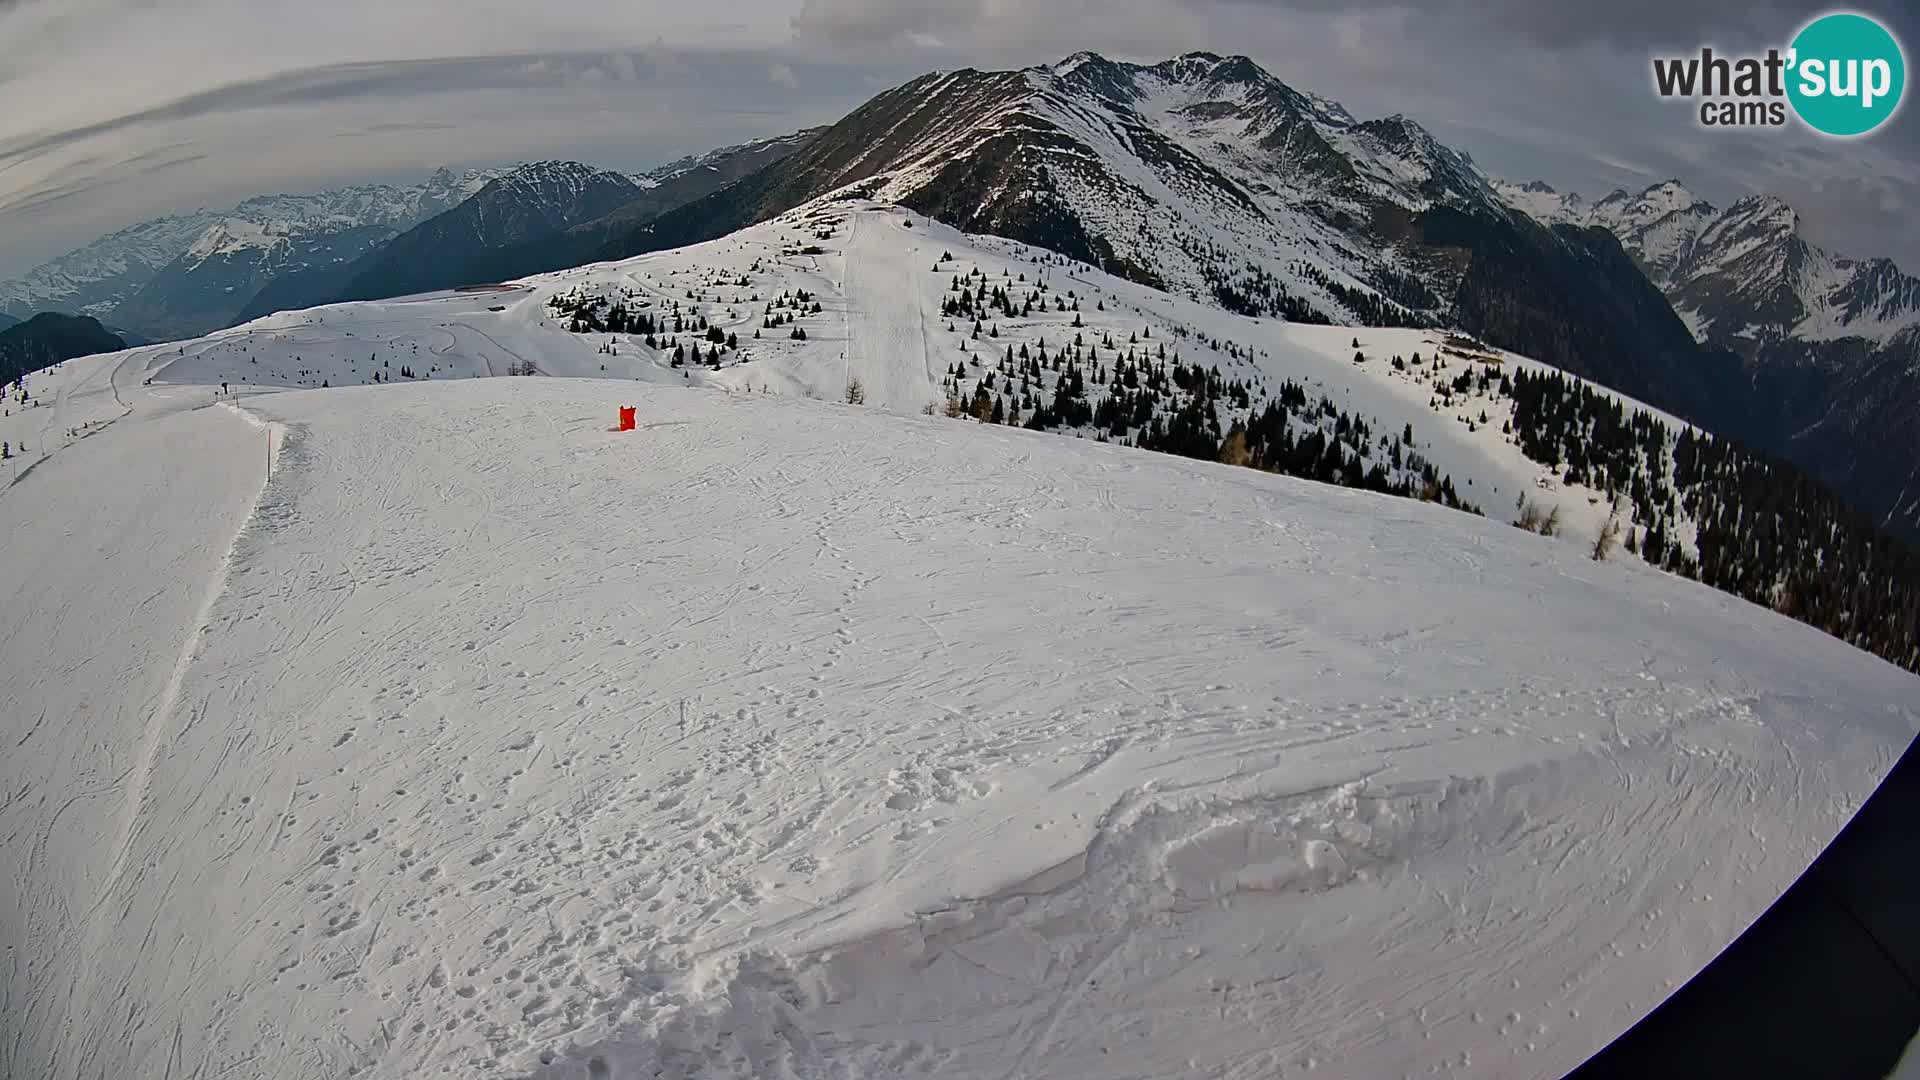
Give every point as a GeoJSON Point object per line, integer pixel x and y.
{"type": "Point", "coordinates": [1543, 202]}
{"type": "Point", "coordinates": [1754, 281]}
{"type": "Point", "coordinates": [1203, 174]}
{"type": "Point", "coordinates": [1658, 227]}
{"type": "Point", "coordinates": [673, 185]}
{"type": "Point", "coordinates": [96, 278]}
{"type": "Point", "coordinates": [526, 203]}
{"type": "Point", "coordinates": [183, 275]}
{"type": "Point", "coordinates": [537, 218]}
{"type": "Point", "coordinates": [186, 274]}
{"type": "Point", "coordinates": [1829, 346]}
{"type": "Point", "coordinates": [541, 197]}
{"type": "Point", "coordinates": [1211, 178]}
{"type": "Point", "coordinates": [736, 160]}
{"type": "Point", "coordinates": [1632, 214]}
{"type": "Point", "coordinates": [1620, 210]}
{"type": "Point", "coordinates": [444, 730]}
{"type": "Point", "coordinates": [1743, 275]}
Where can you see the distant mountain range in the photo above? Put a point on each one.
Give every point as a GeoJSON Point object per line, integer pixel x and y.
{"type": "Point", "coordinates": [541, 217]}
{"type": "Point", "coordinates": [1742, 276]}
{"type": "Point", "coordinates": [531, 200]}
{"type": "Point", "coordinates": [187, 274]}
{"type": "Point", "coordinates": [1828, 373]}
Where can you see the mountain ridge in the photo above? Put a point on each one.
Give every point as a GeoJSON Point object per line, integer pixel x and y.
{"type": "Point", "coordinates": [529, 201]}
{"type": "Point", "coordinates": [1826, 347]}
{"type": "Point", "coordinates": [1742, 274]}
{"type": "Point", "coordinates": [185, 274]}
{"type": "Point", "coordinates": [537, 218]}
{"type": "Point", "coordinates": [1210, 178]}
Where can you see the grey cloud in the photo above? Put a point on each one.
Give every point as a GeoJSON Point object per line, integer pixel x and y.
{"type": "Point", "coordinates": [1618, 22]}
{"type": "Point", "coordinates": [868, 22]}
{"type": "Point", "coordinates": [394, 129]}
{"type": "Point", "coordinates": [993, 32]}
{"type": "Point", "coordinates": [163, 150]}
{"type": "Point", "coordinates": [59, 190]}
{"type": "Point", "coordinates": [41, 199]}
{"type": "Point", "coordinates": [411, 127]}
{"type": "Point", "coordinates": [100, 176]}
{"type": "Point", "coordinates": [1532, 88]}
{"type": "Point", "coordinates": [1635, 23]}
{"type": "Point", "coordinates": [170, 163]}
{"type": "Point", "coordinates": [334, 83]}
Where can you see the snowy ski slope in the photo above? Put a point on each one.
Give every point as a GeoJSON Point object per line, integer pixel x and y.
{"type": "Point", "coordinates": [789, 738]}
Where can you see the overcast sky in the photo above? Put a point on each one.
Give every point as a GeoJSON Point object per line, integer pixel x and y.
{"type": "Point", "coordinates": [113, 111]}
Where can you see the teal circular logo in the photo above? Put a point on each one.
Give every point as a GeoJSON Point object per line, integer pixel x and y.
{"type": "Point", "coordinates": [1846, 74]}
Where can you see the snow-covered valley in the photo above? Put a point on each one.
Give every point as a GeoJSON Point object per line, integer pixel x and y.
{"type": "Point", "coordinates": [786, 737]}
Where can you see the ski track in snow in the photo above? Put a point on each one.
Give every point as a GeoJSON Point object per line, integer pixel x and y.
{"type": "Point", "coordinates": [159, 720]}
{"type": "Point", "coordinates": [887, 339]}
{"type": "Point", "coordinates": [784, 738]}
{"type": "Point", "coordinates": [87, 685]}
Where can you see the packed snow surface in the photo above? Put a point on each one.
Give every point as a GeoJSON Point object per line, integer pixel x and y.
{"type": "Point", "coordinates": [787, 738]}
